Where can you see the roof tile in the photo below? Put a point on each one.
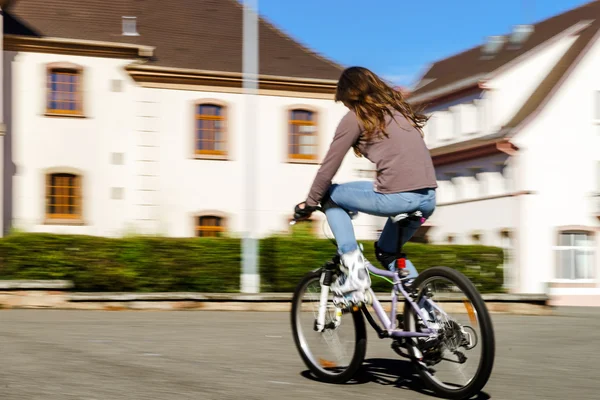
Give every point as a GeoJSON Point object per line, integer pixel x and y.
{"type": "Point", "coordinates": [195, 34]}
{"type": "Point", "coordinates": [470, 63]}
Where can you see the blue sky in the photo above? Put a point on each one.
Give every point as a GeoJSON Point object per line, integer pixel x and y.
{"type": "Point", "coordinates": [399, 38]}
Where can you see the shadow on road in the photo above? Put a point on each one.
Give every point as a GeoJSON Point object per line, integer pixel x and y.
{"type": "Point", "coordinates": [390, 372]}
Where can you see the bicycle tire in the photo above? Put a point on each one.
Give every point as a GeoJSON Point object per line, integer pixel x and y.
{"type": "Point", "coordinates": [486, 363]}
{"type": "Point", "coordinates": [360, 347]}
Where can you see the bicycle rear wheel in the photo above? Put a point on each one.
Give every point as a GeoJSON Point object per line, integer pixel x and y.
{"type": "Point", "coordinates": [335, 354]}
{"type": "Point", "coordinates": [458, 362]}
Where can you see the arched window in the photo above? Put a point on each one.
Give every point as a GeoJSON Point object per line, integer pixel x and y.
{"type": "Point", "coordinates": [210, 226]}
{"type": "Point", "coordinates": [63, 196]}
{"type": "Point", "coordinates": [302, 135]}
{"type": "Point", "coordinates": [210, 138]}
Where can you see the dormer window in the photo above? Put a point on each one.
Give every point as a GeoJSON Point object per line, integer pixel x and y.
{"type": "Point", "coordinates": [130, 26]}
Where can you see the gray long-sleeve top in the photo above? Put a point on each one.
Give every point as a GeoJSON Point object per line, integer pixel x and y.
{"type": "Point", "coordinates": [402, 160]}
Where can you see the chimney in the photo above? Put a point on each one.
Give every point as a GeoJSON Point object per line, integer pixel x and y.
{"type": "Point", "coordinates": [519, 35]}
{"type": "Point", "coordinates": [492, 46]}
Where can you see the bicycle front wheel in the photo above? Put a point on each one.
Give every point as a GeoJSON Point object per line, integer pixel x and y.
{"type": "Point", "coordinates": [335, 354]}
{"type": "Point", "coordinates": [458, 362]}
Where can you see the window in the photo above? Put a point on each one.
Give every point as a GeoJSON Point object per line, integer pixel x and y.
{"type": "Point", "coordinates": [444, 125]}
{"type": "Point", "coordinates": [431, 129]}
{"type": "Point", "coordinates": [302, 134]}
{"type": "Point", "coordinates": [575, 256]}
{"type": "Point", "coordinates": [504, 177]}
{"type": "Point", "coordinates": [480, 105]}
{"type": "Point", "coordinates": [480, 181]}
{"type": "Point", "coordinates": [456, 121]}
{"type": "Point", "coordinates": [64, 90]}
{"type": "Point", "coordinates": [209, 226]}
{"type": "Point", "coordinates": [63, 196]}
{"type": "Point", "coordinates": [469, 119]}
{"type": "Point", "coordinates": [454, 187]}
{"type": "Point", "coordinates": [129, 26]}
{"type": "Point", "coordinates": [209, 129]}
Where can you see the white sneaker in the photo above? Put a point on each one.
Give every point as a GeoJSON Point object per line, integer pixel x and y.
{"type": "Point", "coordinates": [354, 266]}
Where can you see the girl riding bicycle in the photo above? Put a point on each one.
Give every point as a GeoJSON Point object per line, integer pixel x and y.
{"type": "Point", "coordinates": [381, 126]}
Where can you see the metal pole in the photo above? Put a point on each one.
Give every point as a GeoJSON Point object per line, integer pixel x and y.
{"type": "Point", "coordinates": [250, 282]}
{"type": "Point", "coordinates": [3, 176]}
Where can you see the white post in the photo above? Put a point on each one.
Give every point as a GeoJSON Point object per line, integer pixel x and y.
{"type": "Point", "coordinates": [250, 282]}
{"type": "Point", "coordinates": [2, 129]}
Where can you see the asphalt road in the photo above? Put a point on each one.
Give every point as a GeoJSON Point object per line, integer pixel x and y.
{"type": "Point", "coordinates": [64, 355]}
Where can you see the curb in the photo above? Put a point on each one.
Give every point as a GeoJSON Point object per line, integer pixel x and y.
{"type": "Point", "coordinates": [57, 295]}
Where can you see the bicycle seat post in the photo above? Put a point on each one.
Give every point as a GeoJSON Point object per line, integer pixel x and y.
{"type": "Point", "coordinates": [400, 256]}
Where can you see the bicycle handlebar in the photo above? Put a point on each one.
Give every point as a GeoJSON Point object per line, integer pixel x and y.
{"type": "Point", "coordinates": [294, 220]}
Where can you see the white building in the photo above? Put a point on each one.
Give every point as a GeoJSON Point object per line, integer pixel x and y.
{"type": "Point", "coordinates": [128, 117]}
{"type": "Point", "coordinates": [515, 137]}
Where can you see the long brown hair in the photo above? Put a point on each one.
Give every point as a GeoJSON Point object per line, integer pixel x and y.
{"type": "Point", "coordinates": [372, 99]}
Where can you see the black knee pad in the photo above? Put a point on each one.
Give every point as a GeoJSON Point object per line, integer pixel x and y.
{"type": "Point", "coordinates": [384, 258]}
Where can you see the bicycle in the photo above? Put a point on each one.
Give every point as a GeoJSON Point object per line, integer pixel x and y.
{"type": "Point", "coordinates": [423, 333]}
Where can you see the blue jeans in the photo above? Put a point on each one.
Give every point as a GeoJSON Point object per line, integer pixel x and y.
{"type": "Point", "coordinates": [361, 197]}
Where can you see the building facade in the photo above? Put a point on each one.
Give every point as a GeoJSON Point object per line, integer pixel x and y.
{"type": "Point", "coordinates": [115, 128]}
{"type": "Point", "coordinates": [515, 139]}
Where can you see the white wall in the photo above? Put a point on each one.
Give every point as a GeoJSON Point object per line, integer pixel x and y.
{"type": "Point", "coordinates": [474, 179]}
{"type": "Point", "coordinates": [559, 159]}
{"type": "Point", "coordinates": [164, 186]}
{"type": "Point", "coordinates": [482, 113]}
{"type": "Point", "coordinates": [455, 121]}
{"type": "Point", "coordinates": [472, 205]}
{"type": "Point", "coordinates": [190, 186]}
{"type": "Point", "coordinates": [486, 217]}
{"type": "Point", "coordinates": [40, 142]}
{"type": "Point", "coordinates": [511, 88]}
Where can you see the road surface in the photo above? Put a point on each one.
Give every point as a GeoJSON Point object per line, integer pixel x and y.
{"type": "Point", "coordinates": [100, 355]}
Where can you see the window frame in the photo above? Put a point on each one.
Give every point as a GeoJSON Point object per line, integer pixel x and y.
{"type": "Point", "coordinates": [211, 154]}
{"type": "Point", "coordinates": [293, 158]}
{"type": "Point", "coordinates": [66, 67]}
{"type": "Point", "coordinates": [557, 248]}
{"type": "Point", "coordinates": [223, 228]}
{"type": "Point", "coordinates": [63, 219]}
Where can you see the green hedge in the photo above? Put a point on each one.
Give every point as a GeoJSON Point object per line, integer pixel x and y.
{"type": "Point", "coordinates": [284, 260]}
{"type": "Point", "coordinates": [138, 264]}
{"type": "Point", "coordinates": [152, 264]}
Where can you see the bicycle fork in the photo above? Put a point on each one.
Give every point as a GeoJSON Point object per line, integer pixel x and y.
{"type": "Point", "coordinates": [326, 279]}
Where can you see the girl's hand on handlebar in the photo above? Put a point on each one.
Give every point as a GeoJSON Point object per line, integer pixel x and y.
{"type": "Point", "coordinates": [302, 211]}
